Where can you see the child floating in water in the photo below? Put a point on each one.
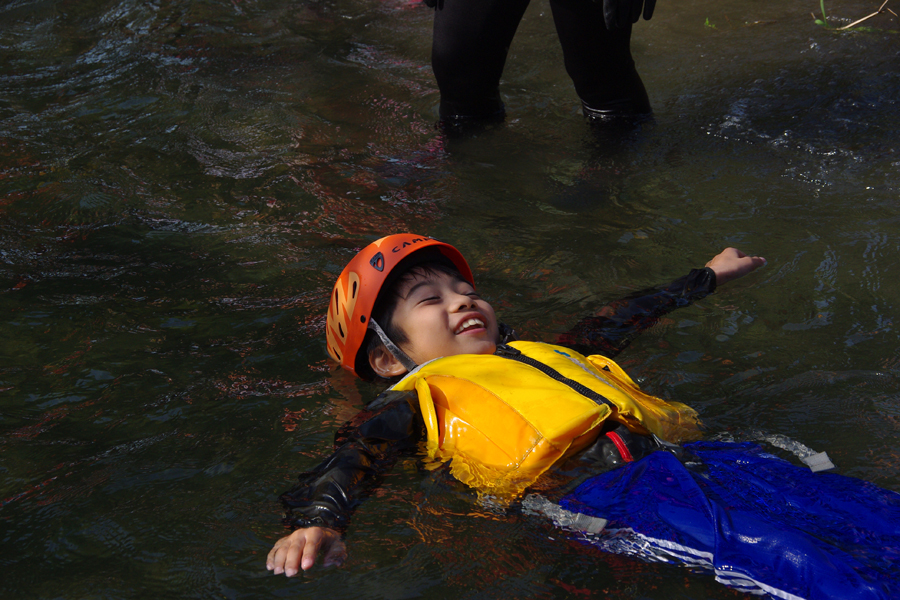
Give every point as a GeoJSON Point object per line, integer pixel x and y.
{"type": "Point", "coordinates": [504, 413]}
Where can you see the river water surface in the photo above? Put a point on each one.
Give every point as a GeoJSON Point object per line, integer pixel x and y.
{"type": "Point", "coordinates": [181, 182]}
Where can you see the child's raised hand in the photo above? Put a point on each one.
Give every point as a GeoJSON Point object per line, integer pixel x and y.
{"type": "Point", "coordinates": [299, 550]}
{"type": "Point", "coordinates": [731, 264]}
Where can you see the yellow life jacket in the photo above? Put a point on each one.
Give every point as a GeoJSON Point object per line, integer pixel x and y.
{"type": "Point", "coordinates": [504, 419]}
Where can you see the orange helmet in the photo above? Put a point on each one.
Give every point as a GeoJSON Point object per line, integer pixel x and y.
{"type": "Point", "coordinates": [359, 285]}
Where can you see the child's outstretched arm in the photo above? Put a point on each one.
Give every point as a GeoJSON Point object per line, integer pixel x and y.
{"type": "Point", "coordinates": [300, 549]}
{"type": "Point", "coordinates": [731, 263]}
{"type": "Point", "coordinates": [324, 498]}
{"type": "Point", "coordinates": [613, 327]}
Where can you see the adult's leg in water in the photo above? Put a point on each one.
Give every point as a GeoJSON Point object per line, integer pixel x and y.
{"type": "Point", "coordinates": [599, 60]}
{"type": "Point", "coordinates": [468, 52]}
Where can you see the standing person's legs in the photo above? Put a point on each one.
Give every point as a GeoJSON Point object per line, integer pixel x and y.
{"type": "Point", "coordinates": [599, 60]}
{"type": "Point", "coordinates": [471, 41]}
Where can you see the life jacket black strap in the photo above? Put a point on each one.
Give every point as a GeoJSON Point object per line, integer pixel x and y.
{"type": "Point", "coordinates": [511, 353]}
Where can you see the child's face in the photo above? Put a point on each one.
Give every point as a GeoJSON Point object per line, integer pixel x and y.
{"type": "Point", "coordinates": [442, 315]}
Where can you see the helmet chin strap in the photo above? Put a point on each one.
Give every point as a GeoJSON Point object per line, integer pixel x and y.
{"type": "Point", "coordinates": [395, 350]}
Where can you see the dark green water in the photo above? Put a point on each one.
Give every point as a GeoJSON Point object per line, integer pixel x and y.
{"type": "Point", "coordinates": [180, 183]}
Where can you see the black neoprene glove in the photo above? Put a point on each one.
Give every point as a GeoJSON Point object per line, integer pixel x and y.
{"type": "Point", "coordinates": [620, 13]}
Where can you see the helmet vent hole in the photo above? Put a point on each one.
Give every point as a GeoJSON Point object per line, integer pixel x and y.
{"type": "Point", "coordinates": [336, 353]}
{"type": "Point", "coordinates": [362, 319]}
{"type": "Point", "coordinates": [353, 294]}
{"type": "Point", "coordinates": [341, 330]}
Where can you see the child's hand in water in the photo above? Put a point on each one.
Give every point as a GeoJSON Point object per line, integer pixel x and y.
{"type": "Point", "coordinates": [300, 549]}
{"type": "Point", "coordinates": [731, 264]}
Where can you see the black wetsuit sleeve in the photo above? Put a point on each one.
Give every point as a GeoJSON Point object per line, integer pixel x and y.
{"type": "Point", "coordinates": [614, 327]}
{"type": "Point", "coordinates": [366, 447]}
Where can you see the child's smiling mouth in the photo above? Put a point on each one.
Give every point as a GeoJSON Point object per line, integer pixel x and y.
{"type": "Point", "coordinates": [469, 324]}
